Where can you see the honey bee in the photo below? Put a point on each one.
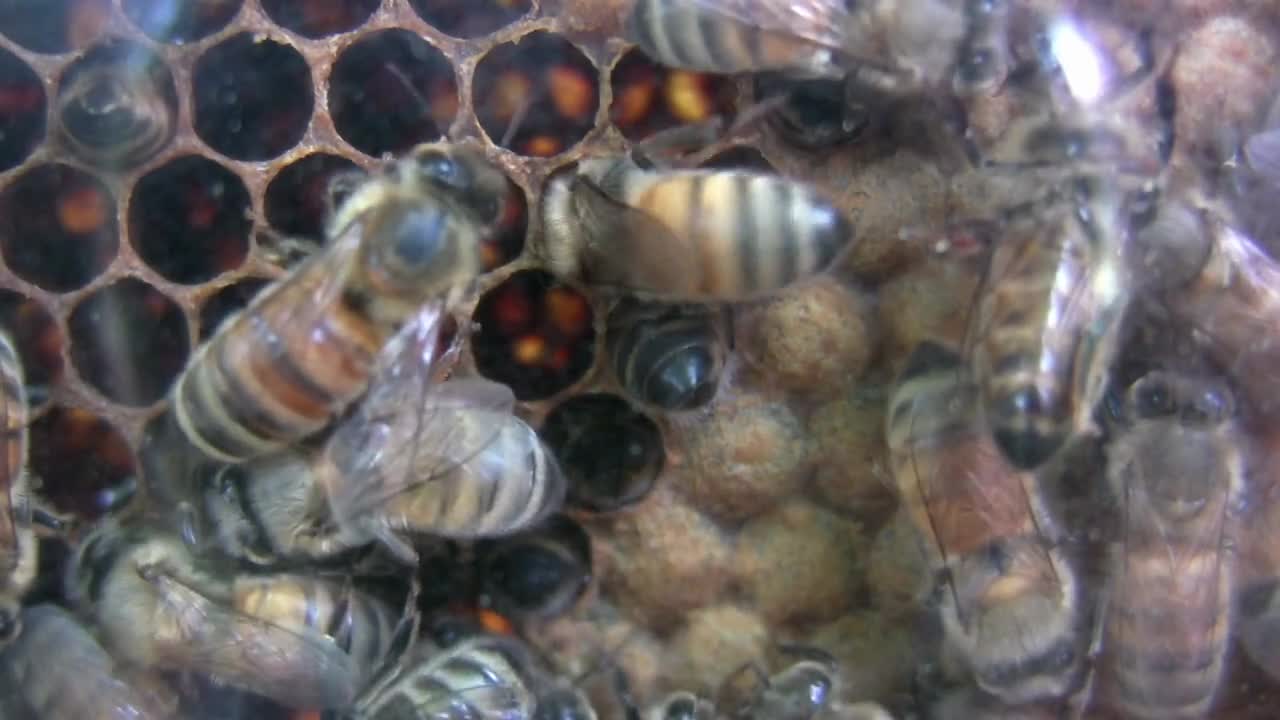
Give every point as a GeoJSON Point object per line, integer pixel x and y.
{"type": "Point", "coordinates": [477, 678]}
{"type": "Point", "coordinates": [1218, 281]}
{"type": "Point", "coordinates": [687, 234]}
{"type": "Point", "coordinates": [1008, 597]}
{"type": "Point", "coordinates": [87, 682]}
{"type": "Point", "coordinates": [895, 46]}
{"type": "Point", "coordinates": [1177, 472]}
{"type": "Point", "coordinates": [301, 641]}
{"type": "Point", "coordinates": [304, 348]}
{"type": "Point", "coordinates": [1049, 319]}
{"type": "Point", "coordinates": [610, 453]}
{"type": "Point", "coordinates": [417, 456]}
{"type": "Point", "coordinates": [116, 112]}
{"type": "Point", "coordinates": [18, 546]}
{"type": "Point", "coordinates": [666, 356]}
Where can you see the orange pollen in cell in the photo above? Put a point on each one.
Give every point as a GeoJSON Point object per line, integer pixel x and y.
{"type": "Point", "coordinates": [202, 213]}
{"type": "Point", "coordinates": [512, 311]}
{"type": "Point", "coordinates": [490, 255]}
{"type": "Point", "coordinates": [529, 350]}
{"type": "Point", "coordinates": [571, 91]}
{"type": "Point", "coordinates": [542, 146]}
{"type": "Point", "coordinates": [687, 97]}
{"type": "Point", "coordinates": [82, 210]}
{"type": "Point", "coordinates": [510, 93]}
{"type": "Point", "coordinates": [569, 311]}
{"type": "Point", "coordinates": [634, 101]}
{"type": "Point", "coordinates": [443, 107]}
{"type": "Point", "coordinates": [494, 622]}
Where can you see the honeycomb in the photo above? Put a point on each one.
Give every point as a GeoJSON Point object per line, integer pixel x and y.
{"type": "Point", "coordinates": [765, 519]}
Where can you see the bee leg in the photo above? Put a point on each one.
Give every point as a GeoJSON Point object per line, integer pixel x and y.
{"type": "Point", "coordinates": [282, 250]}
{"type": "Point", "coordinates": [664, 148]}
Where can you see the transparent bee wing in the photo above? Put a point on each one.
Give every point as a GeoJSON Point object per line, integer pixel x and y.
{"type": "Point", "coordinates": [822, 22]}
{"type": "Point", "coordinates": [294, 668]}
{"type": "Point", "coordinates": [413, 430]}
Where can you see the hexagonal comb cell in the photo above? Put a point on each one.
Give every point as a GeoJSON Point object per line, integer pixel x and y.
{"type": "Point", "coordinates": [129, 341]}
{"type": "Point", "coordinates": [116, 106]}
{"type": "Point", "coordinates": [39, 343]}
{"type": "Point", "coordinates": [535, 335]}
{"type": "Point", "coordinates": [22, 105]}
{"type": "Point", "coordinates": [188, 219]}
{"type": "Point", "coordinates": [536, 96]}
{"type": "Point", "coordinates": [84, 462]}
{"type": "Point", "coordinates": [72, 214]}
{"type": "Point", "coordinates": [320, 18]}
{"type": "Point", "coordinates": [253, 97]}
{"type": "Point", "coordinates": [610, 453]}
{"type": "Point", "coordinates": [180, 21]}
{"type": "Point", "coordinates": [391, 90]}
{"type": "Point", "coordinates": [53, 26]}
{"type": "Point", "coordinates": [227, 301]}
{"type": "Point", "coordinates": [296, 199]}
{"type": "Point", "coordinates": [648, 97]}
{"type": "Point", "coordinates": [463, 19]}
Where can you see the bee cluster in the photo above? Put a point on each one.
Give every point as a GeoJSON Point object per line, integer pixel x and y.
{"type": "Point", "coordinates": [640, 358]}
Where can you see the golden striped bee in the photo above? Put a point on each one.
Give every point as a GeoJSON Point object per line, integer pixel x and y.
{"type": "Point", "coordinates": [687, 234]}
{"type": "Point", "coordinates": [891, 46]}
{"type": "Point", "coordinates": [304, 348]}
{"type": "Point", "coordinates": [302, 641]}
{"type": "Point", "coordinates": [114, 109]}
{"type": "Point", "coordinates": [667, 356]}
{"type": "Point", "coordinates": [56, 670]}
{"type": "Point", "coordinates": [417, 456]}
{"type": "Point", "coordinates": [1177, 472]}
{"type": "Point", "coordinates": [1049, 319]}
{"type": "Point", "coordinates": [477, 678]}
{"type": "Point", "coordinates": [1009, 599]}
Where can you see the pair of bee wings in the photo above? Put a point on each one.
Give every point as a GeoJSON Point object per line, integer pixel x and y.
{"type": "Point", "coordinates": [412, 430]}
{"type": "Point", "coordinates": [299, 668]}
{"type": "Point", "coordinates": [417, 684]}
{"type": "Point", "coordinates": [85, 679]}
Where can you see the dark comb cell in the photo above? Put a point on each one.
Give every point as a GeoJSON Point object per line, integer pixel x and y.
{"type": "Point", "coordinates": [648, 97]}
{"type": "Point", "coordinates": [129, 341]}
{"type": "Point", "coordinates": [72, 213]}
{"type": "Point", "coordinates": [469, 18]}
{"type": "Point", "coordinates": [227, 301]}
{"type": "Point", "coordinates": [39, 342]}
{"type": "Point", "coordinates": [320, 18]}
{"type": "Point", "coordinates": [189, 220]}
{"type": "Point", "coordinates": [610, 453]}
{"type": "Point", "coordinates": [22, 107]}
{"type": "Point", "coordinates": [84, 463]}
{"type": "Point", "coordinates": [53, 26]}
{"type": "Point", "coordinates": [252, 97]}
{"type": "Point", "coordinates": [391, 90]}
